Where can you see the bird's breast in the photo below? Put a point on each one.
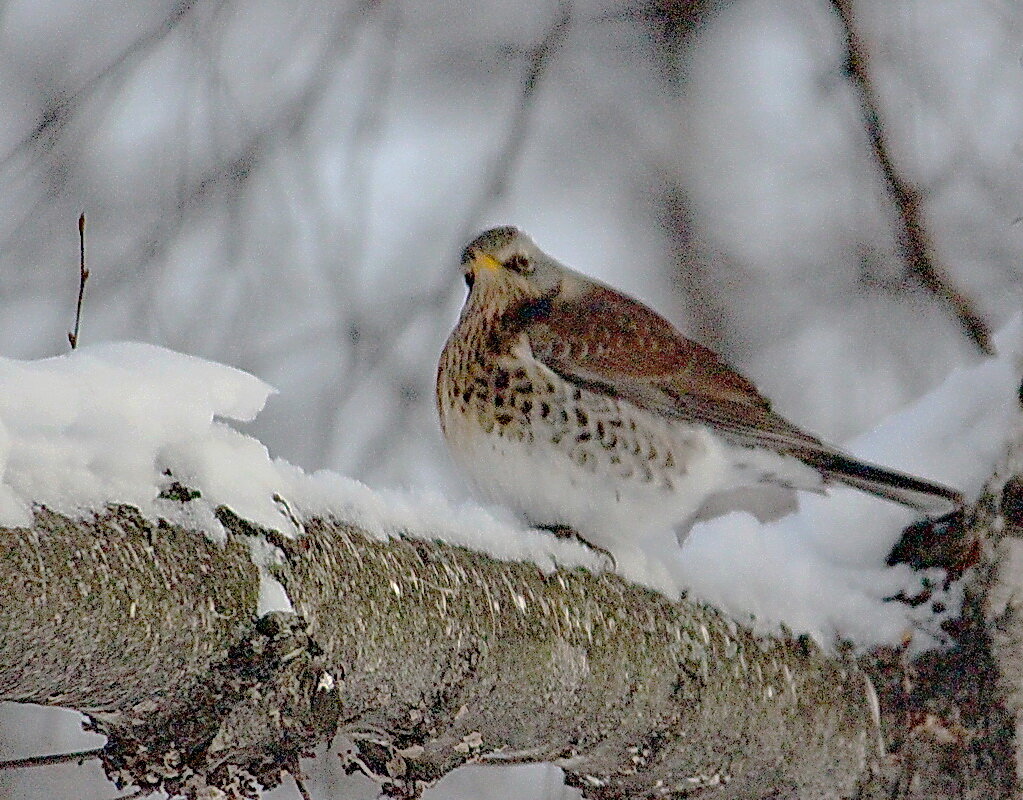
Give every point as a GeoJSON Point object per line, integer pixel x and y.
{"type": "Point", "coordinates": [497, 407]}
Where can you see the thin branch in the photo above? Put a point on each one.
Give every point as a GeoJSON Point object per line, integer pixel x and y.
{"type": "Point", "coordinates": [301, 788]}
{"type": "Point", "coordinates": [48, 761]}
{"type": "Point", "coordinates": [918, 249]}
{"type": "Point", "coordinates": [83, 276]}
{"type": "Point", "coordinates": [538, 60]}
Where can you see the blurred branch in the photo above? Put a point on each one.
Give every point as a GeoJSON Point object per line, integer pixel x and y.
{"type": "Point", "coordinates": [377, 347]}
{"type": "Point", "coordinates": [271, 133]}
{"type": "Point", "coordinates": [918, 249]}
{"type": "Point", "coordinates": [349, 320]}
{"type": "Point", "coordinates": [538, 60]}
{"type": "Point", "coordinates": [673, 25]}
{"type": "Point", "coordinates": [368, 133]}
{"type": "Point", "coordinates": [62, 109]}
{"type": "Point", "coordinates": [494, 184]}
{"type": "Point", "coordinates": [677, 20]}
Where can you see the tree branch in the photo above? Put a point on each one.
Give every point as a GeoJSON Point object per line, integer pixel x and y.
{"type": "Point", "coordinates": [425, 657]}
{"type": "Point", "coordinates": [914, 239]}
{"type": "Point", "coordinates": [415, 657]}
{"type": "Point", "coordinates": [48, 761]}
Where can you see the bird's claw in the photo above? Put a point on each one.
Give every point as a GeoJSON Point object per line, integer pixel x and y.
{"type": "Point", "coordinates": [568, 532]}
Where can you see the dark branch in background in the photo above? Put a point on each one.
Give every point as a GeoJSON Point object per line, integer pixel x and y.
{"type": "Point", "coordinates": [274, 131]}
{"type": "Point", "coordinates": [674, 25]}
{"type": "Point", "coordinates": [378, 346]}
{"type": "Point", "coordinates": [61, 110]}
{"type": "Point", "coordinates": [80, 756]}
{"type": "Point", "coordinates": [538, 60]}
{"type": "Point", "coordinates": [349, 322]}
{"type": "Point", "coordinates": [64, 108]}
{"type": "Point", "coordinates": [269, 135]}
{"type": "Point", "coordinates": [914, 239]}
{"type": "Point", "coordinates": [301, 788]}
{"type": "Point", "coordinates": [83, 276]}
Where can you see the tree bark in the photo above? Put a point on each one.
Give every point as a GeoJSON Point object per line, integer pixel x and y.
{"type": "Point", "coordinates": [415, 657]}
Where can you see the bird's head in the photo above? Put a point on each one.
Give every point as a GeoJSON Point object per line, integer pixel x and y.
{"type": "Point", "coordinates": [506, 260]}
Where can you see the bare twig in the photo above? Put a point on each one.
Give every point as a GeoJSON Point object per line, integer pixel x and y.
{"type": "Point", "coordinates": [83, 276]}
{"type": "Point", "coordinates": [301, 788]}
{"type": "Point", "coordinates": [918, 250]}
{"type": "Point", "coordinates": [48, 761]}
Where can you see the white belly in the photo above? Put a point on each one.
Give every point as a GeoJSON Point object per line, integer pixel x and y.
{"type": "Point", "coordinates": [613, 504]}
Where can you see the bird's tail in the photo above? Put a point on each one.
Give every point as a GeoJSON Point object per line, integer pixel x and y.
{"type": "Point", "coordinates": [925, 496]}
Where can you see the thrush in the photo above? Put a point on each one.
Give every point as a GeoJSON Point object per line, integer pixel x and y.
{"type": "Point", "coordinates": [582, 409]}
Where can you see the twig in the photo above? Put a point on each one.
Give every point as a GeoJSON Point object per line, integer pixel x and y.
{"type": "Point", "coordinates": [47, 761]}
{"type": "Point", "coordinates": [913, 236]}
{"type": "Point", "coordinates": [301, 788]}
{"type": "Point", "coordinates": [83, 276]}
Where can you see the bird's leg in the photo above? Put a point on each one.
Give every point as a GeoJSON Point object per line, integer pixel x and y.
{"type": "Point", "coordinates": [568, 532]}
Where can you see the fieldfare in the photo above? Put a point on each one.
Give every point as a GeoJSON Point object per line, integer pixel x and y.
{"type": "Point", "coordinates": [583, 410]}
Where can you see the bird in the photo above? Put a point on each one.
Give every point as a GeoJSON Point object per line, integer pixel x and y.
{"type": "Point", "coordinates": [590, 415]}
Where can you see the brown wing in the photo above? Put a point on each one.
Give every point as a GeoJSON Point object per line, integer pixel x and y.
{"type": "Point", "coordinates": [619, 347]}
{"type": "Point", "coordinates": [616, 346]}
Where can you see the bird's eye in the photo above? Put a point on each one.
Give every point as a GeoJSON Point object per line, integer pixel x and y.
{"type": "Point", "coordinates": [470, 279]}
{"type": "Point", "coordinates": [519, 263]}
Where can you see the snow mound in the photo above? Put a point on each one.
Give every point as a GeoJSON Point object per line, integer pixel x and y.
{"type": "Point", "coordinates": [138, 424]}
{"type": "Point", "coordinates": [821, 570]}
{"type": "Point", "coordinates": [102, 424]}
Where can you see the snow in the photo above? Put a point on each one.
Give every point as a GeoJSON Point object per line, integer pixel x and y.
{"type": "Point", "coordinates": [122, 423]}
{"type": "Point", "coordinates": [102, 424]}
{"type": "Point", "coordinates": [821, 570]}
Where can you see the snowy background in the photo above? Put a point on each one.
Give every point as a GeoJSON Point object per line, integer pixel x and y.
{"type": "Point", "coordinates": [284, 187]}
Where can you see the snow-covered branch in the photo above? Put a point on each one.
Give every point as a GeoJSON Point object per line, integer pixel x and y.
{"type": "Point", "coordinates": [424, 656]}
{"type": "Point", "coordinates": [224, 613]}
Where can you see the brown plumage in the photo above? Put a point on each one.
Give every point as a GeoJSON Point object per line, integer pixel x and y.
{"type": "Point", "coordinates": [536, 337]}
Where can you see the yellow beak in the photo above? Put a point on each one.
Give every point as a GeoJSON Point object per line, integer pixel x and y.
{"type": "Point", "coordinates": [485, 261]}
